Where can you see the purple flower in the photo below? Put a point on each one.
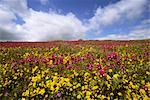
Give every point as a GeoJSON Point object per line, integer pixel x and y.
{"type": "Point", "coordinates": [58, 94]}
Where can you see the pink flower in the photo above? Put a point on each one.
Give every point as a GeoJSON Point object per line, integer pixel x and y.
{"type": "Point", "coordinates": [78, 67]}
{"type": "Point", "coordinates": [98, 66]}
{"type": "Point", "coordinates": [123, 68]}
{"type": "Point", "coordinates": [69, 67]}
{"type": "Point", "coordinates": [145, 88]}
{"type": "Point", "coordinates": [53, 57]}
{"type": "Point", "coordinates": [61, 59]}
{"type": "Point", "coordinates": [112, 56]}
{"type": "Point", "coordinates": [102, 72]}
{"type": "Point", "coordinates": [89, 66]}
{"type": "Point", "coordinates": [29, 59]}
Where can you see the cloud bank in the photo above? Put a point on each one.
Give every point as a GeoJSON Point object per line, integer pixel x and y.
{"type": "Point", "coordinates": [38, 25]}
{"type": "Point", "coordinates": [121, 11]}
{"type": "Point", "coordinates": [43, 26]}
{"type": "Point", "coordinates": [139, 32]}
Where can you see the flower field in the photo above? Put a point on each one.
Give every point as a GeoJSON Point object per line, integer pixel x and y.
{"type": "Point", "coordinates": [71, 70]}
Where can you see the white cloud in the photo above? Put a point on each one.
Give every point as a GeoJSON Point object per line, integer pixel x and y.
{"type": "Point", "coordinates": [16, 6]}
{"type": "Point", "coordinates": [141, 31]}
{"type": "Point", "coordinates": [122, 10]}
{"type": "Point", "coordinates": [6, 16]}
{"type": "Point", "coordinates": [51, 26]}
{"type": "Point", "coordinates": [38, 25]}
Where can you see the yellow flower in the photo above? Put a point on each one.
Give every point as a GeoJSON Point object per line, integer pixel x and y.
{"type": "Point", "coordinates": [108, 77]}
{"type": "Point", "coordinates": [70, 89]}
{"type": "Point", "coordinates": [142, 91]}
{"type": "Point", "coordinates": [79, 96]}
{"type": "Point", "coordinates": [23, 99]}
{"type": "Point", "coordinates": [125, 81]}
{"type": "Point", "coordinates": [79, 53]}
{"type": "Point", "coordinates": [115, 76]}
{"type": "Point", "coordinates": [48, 83]}
{"type": "Point", "coordinates": [55, 79]}
{"type": "Point", "coordinates": [15, 77]}
{"type": "Point", "coordinates": [110, 70]}
{"type": "Point", "coordinates": [108, 85]}
{"type": "Point", "coordinates": [111, 93]}
{"type": "Point", "coordinates": [148, 73]}
{"type": "Point", "coordinates": [146, 98]}
{"type": "Point", "coordinates": [88, 97]}
{"type": "Point", "coordinates": [86, 74]}
{"type": "Point", "coordinates": [50, 62]}
{"type": "Point", "coordinates": [120, 94]}
{"type": "Point", "coordinates": [143, 82]}
{"type": "Point", "coordinates": [88, 93]}
{"type": "Point", "coordinates": [36, 78]}
{"type": "Point", "coordinates": [74, 87]}
{"type": "Point", "coordinates": [75, 73]}
{"type": "Point", "coordinates": [56, 49]}
{"type": "Point", "coordinates": [26, 93]}
{"type": "Point", "coordinates": [34, 84]}
{"type": "Point", "coordinates": [94, 87]}
{"type": "Point", "coordinates": [82, 87]}
{"type": "Point", "coordinates": [135, 98]}
{"type": "Point", "coordinates": [148, 85]}
{"type": "Point", "coordinates": [86, 87]}
{"type": "Point", "coordinates": [34, 69]}
{"type": "Point", "coordinates": [66, 79]}
{"type": "Point", "coordinates": [42, 91]}
{"type": "Point", "coordinates": [102, 97]}
{"type": "Point", "coordinates": [78, 85]}
{"type": "Point", "coordinates": [64, 61]}
{"type": "Point", "coordinates": [37, 90]}
{"type": "Point", "coordinates": [52, 88]}
{"type": "Point", "coordinates": [56, 74]}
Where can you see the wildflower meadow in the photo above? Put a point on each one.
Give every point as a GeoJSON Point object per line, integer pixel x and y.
{"type": "Point", "coordinates": [75, 70]}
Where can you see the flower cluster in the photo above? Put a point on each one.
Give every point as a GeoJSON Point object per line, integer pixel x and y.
{"type": "Point", "coordinates": [89, 70]}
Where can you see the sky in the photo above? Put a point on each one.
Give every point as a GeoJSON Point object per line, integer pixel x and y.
{"type": "Point", "coordinates": [45, 20]}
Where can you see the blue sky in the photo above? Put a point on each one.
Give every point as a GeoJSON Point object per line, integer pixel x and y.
{"type": "Point", "coordinates": [42, 20]}
{"type": "Point", "coordinates": [83, 9]}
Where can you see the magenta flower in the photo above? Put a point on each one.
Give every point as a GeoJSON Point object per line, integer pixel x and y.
{"type": "Point", "coordinates": [29, 59]}
{"type": "Point", "coordinates": [89, 66]}
{"type": "Point", "coordinates": [112, 56]}
{"type": "Point", "coordinates": [69, 67]}
{"type": "Point", "coordinates": [102, 72]}
{"type": "Point", "coordinates": [145, 88]}
{"type": "Point", "coordinates": [98, 66]}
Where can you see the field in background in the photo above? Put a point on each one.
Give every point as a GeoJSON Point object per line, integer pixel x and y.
{"type": "Point", "coordinates": [75, 70]}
